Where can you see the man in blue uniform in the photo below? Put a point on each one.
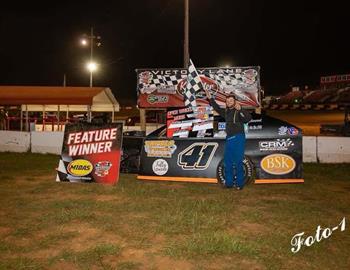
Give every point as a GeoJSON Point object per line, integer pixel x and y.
{"type": "Point", "coordinates": [235, 118]}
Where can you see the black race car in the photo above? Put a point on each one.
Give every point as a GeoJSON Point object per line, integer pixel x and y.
{"type": "Point", "coordinates": [273, 154]}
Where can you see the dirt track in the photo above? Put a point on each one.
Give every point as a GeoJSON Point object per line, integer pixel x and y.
{"type": "Point", "coordinates": [309, 121]}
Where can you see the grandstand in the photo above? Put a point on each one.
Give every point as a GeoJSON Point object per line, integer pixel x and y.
{"type": "Point", "coordinates": [333, 94]}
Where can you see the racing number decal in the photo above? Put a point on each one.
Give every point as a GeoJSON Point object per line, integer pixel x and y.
{"type": "Point", "coordinates": [197, 156]}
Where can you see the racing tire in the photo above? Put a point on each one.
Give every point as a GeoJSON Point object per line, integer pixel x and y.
{"type": "Point", "coordinates": [247, 167]}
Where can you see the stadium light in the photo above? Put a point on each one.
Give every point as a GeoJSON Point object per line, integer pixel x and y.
{"type": "Point", "coordinates": [83, 42]}
{"type": "Point", "coordinates": [91, 66]}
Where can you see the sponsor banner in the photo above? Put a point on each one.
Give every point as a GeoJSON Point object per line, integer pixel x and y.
{"type": "Point", "coordinates": [165, 87]}
{"type": "Point", "coordinates": [187, 122]}
{"type": "Point", "coordinates": [90, 153]}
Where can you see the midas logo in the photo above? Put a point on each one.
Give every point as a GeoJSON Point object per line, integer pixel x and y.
{"type": "Point", "coordinates": [278, 164]}
{"type": "Point", "coordinates": [79, 167]}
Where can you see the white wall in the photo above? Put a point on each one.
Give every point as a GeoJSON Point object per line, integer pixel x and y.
{"type": "Point", "coordinates": [315, 149]}
{"type": "Point", "coordinates": [333, 149]}
{"type": "Point", "coordinates": [47, 142]}
{"type": "Point", "coordinates": [309, 149]}
{"type": "Point", "coordinates": [14, 141]}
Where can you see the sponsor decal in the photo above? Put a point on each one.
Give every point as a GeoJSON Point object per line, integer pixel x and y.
{"type": "Point", "coordinates": [146, 77]}
{"type": "Point", "coordinates": [208, 83]}
{"type": "Point", "coordinates": [221, 125]}
{"type": "Point", "coordinates": [256, 120]}
{"type": "Point", "coordinates": [160, 167]}
{"type": "Point", "coordinates": [102, 168]}
{"type": "Point", "coordinates": [293, 131]}
{"type": "Point", "coordinates": [160, 148]}
{"type": "Point", "coordinates": [197, 156]}
{"type": "Point", "coordinates": [254, 127]}
{"type": "Point", "coordinates": [276, 145]}
{"type": "Point", "coordinates": [278, 164]}
{"type": "Point", "coordinates": [166, 90]}
{"type": "Point", "coordinates": [282, 130]}
{"type": "Point", "coordinates": [157, 99]}
{"type": "Point", "coordinates": [79, 167]}
{"type": "Point", "coordinates": [180, 117]}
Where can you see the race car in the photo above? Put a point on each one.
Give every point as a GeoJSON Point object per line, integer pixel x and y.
{"type": "Point", "coordinates": [273, 154]}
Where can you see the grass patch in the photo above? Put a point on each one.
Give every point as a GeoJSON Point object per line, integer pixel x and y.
{"type": "Point", "coordinates": [129, 266]}
{"type": "Point", "coordinates": [90, 257]}
{"type": "Point", "coordinates": [217, 243]}
{"type": "Point", "coordinates": [21, 263]}
{"type": "Point", "coordinates": [44, 224]}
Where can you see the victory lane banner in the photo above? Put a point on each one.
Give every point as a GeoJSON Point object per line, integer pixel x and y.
{"type": "Point", "coordinates": [90, 153]}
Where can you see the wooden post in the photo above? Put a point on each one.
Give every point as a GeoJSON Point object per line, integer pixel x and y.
{"type": "Point", "coordinates": [21, 119]}
{"type": "Point", "coordinates": [27, 120]}
{"type": "Point", "coordinates": [113, 115]}
{"type": "Point", "coordinates": [143, 119]}
{"type": "Point", "coordinates": [67, 114]}
{"type": "Point", "coordinates": [58, 118]}
{"type": "Point", "coordinates": [43, 129]}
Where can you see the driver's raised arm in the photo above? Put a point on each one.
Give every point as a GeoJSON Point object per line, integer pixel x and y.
{"type": "Point", "coordinates": [216, 107]}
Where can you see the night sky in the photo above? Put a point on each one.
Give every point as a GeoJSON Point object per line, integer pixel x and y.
{"type": "Point", "coordinates": [294, 42]}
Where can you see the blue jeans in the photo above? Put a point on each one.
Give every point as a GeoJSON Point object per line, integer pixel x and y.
{"type": "Point", "coordinates": [233, 159]}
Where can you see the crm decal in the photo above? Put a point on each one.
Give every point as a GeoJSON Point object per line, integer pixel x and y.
{"type": "Point", "coordinates": [79, 167]}
{"type": "Point", "coordinates": [197, 156]}
{"type": "Point", "coordinates": [278, 164]}
{"type": "Point", "coordinates": [276, 145]}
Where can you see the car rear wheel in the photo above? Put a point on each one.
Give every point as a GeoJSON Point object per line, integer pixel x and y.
{"type": "Point", "coordinates": [247, 167]}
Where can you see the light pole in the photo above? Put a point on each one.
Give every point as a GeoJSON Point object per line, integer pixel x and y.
{"type": "Point", "coordinates": [186, 35]}
{"type": "Point", "coordinates": [90, 39]}
{"type": "Point", "coordinates": [91, 65]}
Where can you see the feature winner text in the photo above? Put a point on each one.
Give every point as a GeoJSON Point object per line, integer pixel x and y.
{"type": "Point", "coordinates": [91, 142]}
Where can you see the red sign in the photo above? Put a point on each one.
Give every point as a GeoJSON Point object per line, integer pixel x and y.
{"type": "Point", "coordinates": [335, 79]}
{"type": "Point", "coordinates": [164, 88]}
{"type": "Point", "coordinates": [90, 153]}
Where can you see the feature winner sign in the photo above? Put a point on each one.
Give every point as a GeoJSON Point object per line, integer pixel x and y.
{"type": "Point", "coordinates": [90, 153]}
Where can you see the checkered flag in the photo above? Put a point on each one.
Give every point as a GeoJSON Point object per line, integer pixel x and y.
{"type": "Point", "coordinates": [194, 84]}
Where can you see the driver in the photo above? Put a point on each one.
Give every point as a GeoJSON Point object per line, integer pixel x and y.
{"type": "Point", "coordinates": [235, 118]}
